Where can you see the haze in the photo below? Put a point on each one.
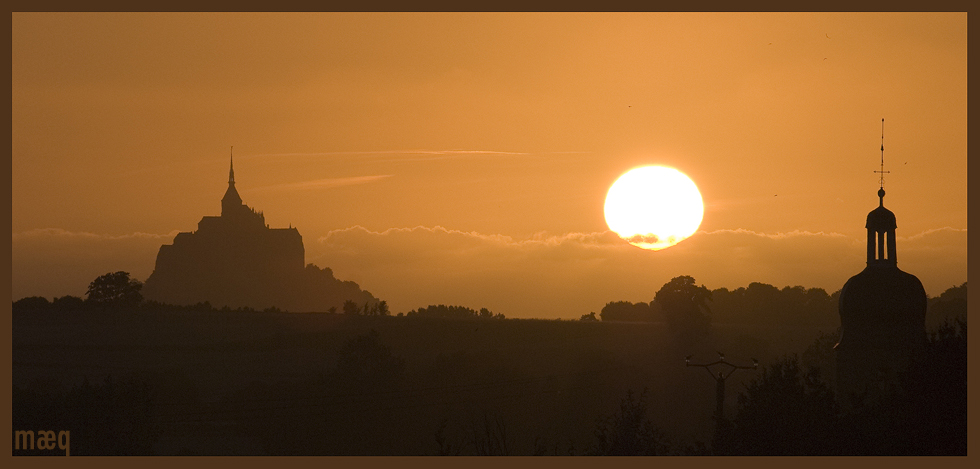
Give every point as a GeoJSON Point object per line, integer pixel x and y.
{"type": "Point", "coordinates": [464, 158]}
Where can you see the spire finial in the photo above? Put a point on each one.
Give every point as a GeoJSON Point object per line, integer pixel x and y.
{"type": "Point", "coordinates": [231, 171]}
{"type": "Point", "coordinates": [882, 172]}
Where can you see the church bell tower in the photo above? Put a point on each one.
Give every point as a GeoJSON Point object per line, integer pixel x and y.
{"type": "Point", "coordinates": [882, 312]}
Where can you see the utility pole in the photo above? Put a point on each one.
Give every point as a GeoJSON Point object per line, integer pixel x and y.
{"type": "Point", "coordinates": [722, 442]}
{"type": "Point", "coordinates": [722, 366]}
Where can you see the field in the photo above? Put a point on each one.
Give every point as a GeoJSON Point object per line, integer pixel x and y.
{"type": "Point", "coordinates": [271, 383]}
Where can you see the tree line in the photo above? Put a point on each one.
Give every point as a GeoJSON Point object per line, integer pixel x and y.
{"type": "Point", "coordinates": [118, 291]}
{"type": "Point", "coordinates": [680, 303]}
{"type": "Point", "coordinates": [453, 312]}
{"type": "Point", "coordinates": [684, 304]}
{"type": "Point", "coordinates": [112, 291]}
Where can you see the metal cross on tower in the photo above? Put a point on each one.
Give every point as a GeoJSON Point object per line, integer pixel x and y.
{"type": "Point", "coordinates": [882, 172]}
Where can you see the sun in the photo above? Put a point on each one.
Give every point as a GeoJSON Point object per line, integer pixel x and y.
{"type": "Point", "coordinates": [654, 207]}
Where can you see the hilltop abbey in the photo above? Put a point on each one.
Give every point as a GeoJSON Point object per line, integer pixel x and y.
{"type": "Point", "coordinates": [237, 260]}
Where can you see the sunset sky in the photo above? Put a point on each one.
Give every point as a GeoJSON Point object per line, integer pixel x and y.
{"type": "Point", "coordinates": [464, 158]}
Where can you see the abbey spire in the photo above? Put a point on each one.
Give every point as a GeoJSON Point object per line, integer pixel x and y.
{"type": "Point", "coordinates": [231, 203]}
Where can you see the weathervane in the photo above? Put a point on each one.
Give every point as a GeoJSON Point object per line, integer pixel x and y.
{"type": "Point", "coordinates": [882, 172]}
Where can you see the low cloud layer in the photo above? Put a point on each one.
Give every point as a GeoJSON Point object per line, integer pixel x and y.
{"type": "Point", "coordinates": [568, 275]}
{"type": "Point", "coordinates": [545, 275]}
{"type": "Point", "coordinates": [54, 262]}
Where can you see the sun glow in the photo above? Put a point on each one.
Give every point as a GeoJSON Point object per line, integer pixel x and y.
{"type": "Point", "coordinates": [654, 207]}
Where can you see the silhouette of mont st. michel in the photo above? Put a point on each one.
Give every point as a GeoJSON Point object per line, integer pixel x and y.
{"type": "Point", "coordinates": [236, 260]}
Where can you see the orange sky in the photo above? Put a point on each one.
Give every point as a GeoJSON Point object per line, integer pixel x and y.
{"type": "Point", "coordinates": [464, 158]}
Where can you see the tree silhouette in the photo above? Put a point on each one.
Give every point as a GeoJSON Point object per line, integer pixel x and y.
{"type": "Point", "coordinates": [447, 447]}
{"type": "Point", "coordinates": [68, 303]}
{"type": "Point", "coordinates": [454, 312]}
{"type": "Point", "coordinates": [925, 413]}
{"type": "Point", "coordinates": [488, 438]}
{"type": "Point", "coordinates": [937, 391]}
{"type": "Point", "coordinates": [492, 441]}
{"type": "Point", "coordinates": [32, 303]}
{"type": "Point", "coordinates": [820, 355]}
{"type": "Point", "coordinates": [685, 309]}
{"type": "Point", "coordinates": [626, 311]}
{"type": "Point", "coordinates": [786, 412]}
{"type": "Point", "coordinates": [951, 304]}
{"type": "Point", "coordinates": [762, 303]}
{"type": "Point", "coordinates": [791, 412]}
{"type": "Point", "coordinates": [350, 307]}
{"type": "Point", "coordinates": [115, 290]}
{"type": "Point", "coordinates": [629, 432]}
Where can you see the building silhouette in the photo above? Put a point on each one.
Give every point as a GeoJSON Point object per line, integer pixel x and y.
{"type": "Point", "coordinates": [237, 260]}
{"type": "Point", "coordinates": [882, 313]}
